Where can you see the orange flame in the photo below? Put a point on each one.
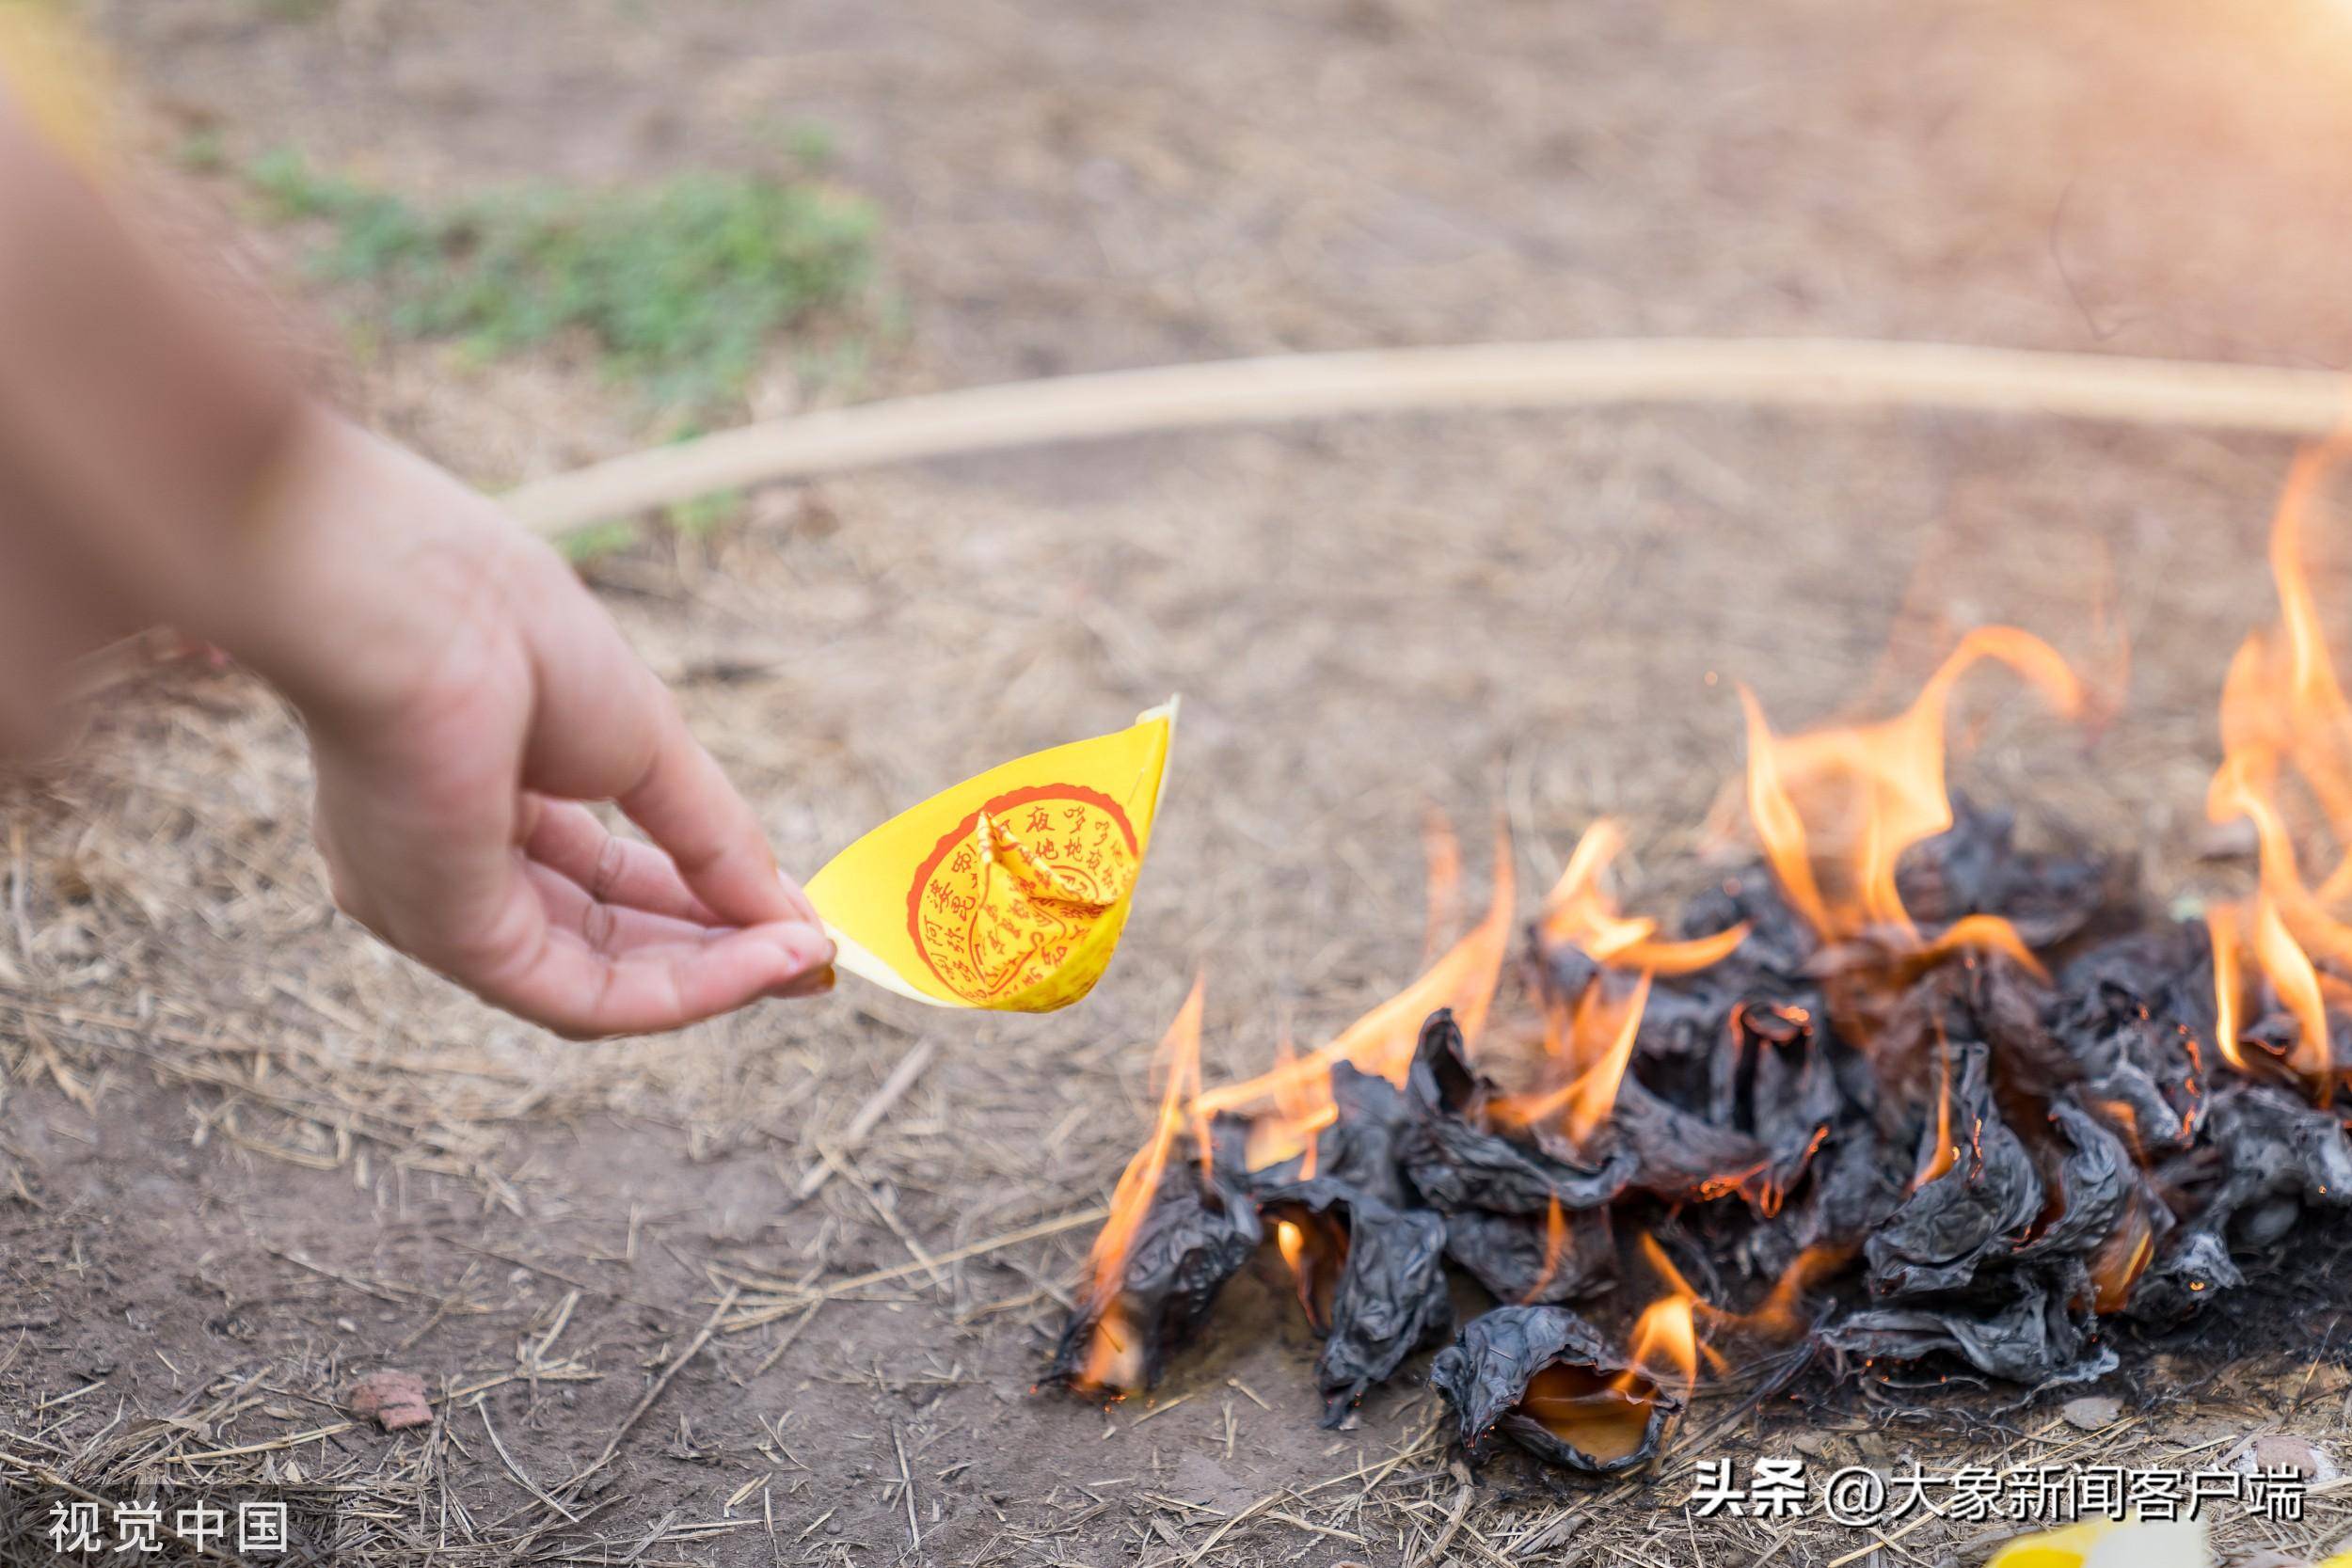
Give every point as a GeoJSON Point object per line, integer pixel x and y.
{"type": "Point", "coordinates": [1315, 1248]}
{"type": "Point", "coordinates": [1382, 1040]}
{"type": "Point", "coordinates": [2285, 719]}
{"type": "Point", "coordinates": [1665, 1344]}
{"type": "Point", "coordinates": [1444, 853]}
{"type": "Point", "coordinates": [1115, 1357]}
{"type": "Point", "coordinates": [1594, 1036]}
{"type": "Point", "coordinates": [1464, 980]}
{"type": "Point", "coordinates": [2318, 721]}
{"type": "Point", "coordinates": [1988, 933]}
{"type": "Point", "coordinates": [1607, 1417]}
{"type": "Point", "coordinates": [1596, 1045]}
{"type": "Point", "coordinates": [1781, 1314]}
{"type": "Point", "coordinates": [1578, 909]}
{"type": "Point", "coordinates": [1555, 1247]}
{"type": "Point", "coordinates": [1303, 1107]}
{"type": "Point", "coordinates": [1940, 1156]}
{"type": "Point", "coordinates": [2228, 983]}
{"type": "Point", "coordinates": [2117, 1265]}
{"type": "Point", "coordinates": [1888, 780]}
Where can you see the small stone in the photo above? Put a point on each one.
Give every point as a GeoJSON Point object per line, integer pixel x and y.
{"type": "Point", "coordinates": [394, 1400]}
{"type": "Point", "coordinates": [1812, 1443]}
{"type": "Point", "coordinates": [2284, 1452]}
{"type": "Point", "coordinates": [2091, 1412]}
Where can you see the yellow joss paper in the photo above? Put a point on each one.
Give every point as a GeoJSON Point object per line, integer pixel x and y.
{"type": "Point", "coordinates": [1008, 890]}
{"type": "Point", "coordinates": [2110, 1543]}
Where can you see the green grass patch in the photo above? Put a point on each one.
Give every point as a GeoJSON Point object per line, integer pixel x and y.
{"type": "Point", "coordinates": [704, 515]}
{"type": "Point", "coordinates": [585, 546]}
{"type": "Point", "coordinates": [200, 153]}
{"type": "Point", "coordinates": [681, 285]}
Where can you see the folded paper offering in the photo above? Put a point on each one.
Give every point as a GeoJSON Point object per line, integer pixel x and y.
{"type": "Point", "coordinates": [1544, 1378]}
{"type": "Point", "coordinates": [1008, 891]}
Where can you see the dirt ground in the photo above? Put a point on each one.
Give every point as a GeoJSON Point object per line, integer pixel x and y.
{"type": "Point", "coordinates": [245, 1154]}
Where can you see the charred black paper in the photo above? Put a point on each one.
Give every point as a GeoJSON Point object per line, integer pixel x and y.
{"type": "Point", "coordinates": [1360, 1148]}
{"type": "Point", "coordinates": [2036, 1330]}
{"type": "Point", "coordinates": [1542, 1378]}
{"type": "Point", "coordinates": [1454, 1162]}
{"type": "Point", "coordinates": [1385, 1293]}
{"type": "Point", "coordinates": [1527, 1259]}
{"type": "Point", "coordinates": [1195, 1236]}
{"type": "Point", "coordinates": [1978, 1206]}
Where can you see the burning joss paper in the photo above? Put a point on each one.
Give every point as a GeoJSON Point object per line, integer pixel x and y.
{"type": "Point", "coordinates": [1181, 1225]}
{"type": "Point", "coordinates": [1454, 1159]}
{"type": "Point", "coordinates": [1192, 1236]}
{"type": "Point", "coordinates": [1918, 1103]}
{"type": "Point", "coordinates": [1370, 1278]}
{"type": "Point", "coordinates": [1008, 891]}
{"type": "Point", "coordinates": [1543, 1378]}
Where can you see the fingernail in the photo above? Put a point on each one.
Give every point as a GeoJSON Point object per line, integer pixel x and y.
{"type": "Point", "coordinates": [814, 983]}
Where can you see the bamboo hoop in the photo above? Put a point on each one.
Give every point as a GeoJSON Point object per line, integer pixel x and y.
{"type": "Point", "coordinates": [1831, 373]}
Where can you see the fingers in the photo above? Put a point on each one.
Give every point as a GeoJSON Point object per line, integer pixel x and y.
{"type": "Point", "coordinates": [607, 927]}
{"type": "Point", "coordinates": [543, 947]}
{"type": "Point", "coordinates": [686, 805]}
{"type": "Point", "coordinates": [814, 983]}
{"type": "Point", "coordinates": [626, 937]}
{"type": "Point", "coordinates": [604, 727]}
{"type": "Point", "coordinates": [578, 991]}
{"type": "Point", "coordinates": [610, 869]}
{"type": "Point", "coordinates": [470, 689]}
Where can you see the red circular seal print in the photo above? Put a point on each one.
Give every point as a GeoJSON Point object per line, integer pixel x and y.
{"type": "Point", "coordinates": [1002, 899]}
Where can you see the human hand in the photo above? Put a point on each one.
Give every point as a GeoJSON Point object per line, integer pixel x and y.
{"type": "Point", "coordinates": [464, 694]}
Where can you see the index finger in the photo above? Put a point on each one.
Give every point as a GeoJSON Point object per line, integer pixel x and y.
{"type": "Point", "coordinates": [685, 804]}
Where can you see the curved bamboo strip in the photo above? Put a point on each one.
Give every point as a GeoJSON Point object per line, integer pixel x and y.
{"type": "Point", "coordinates": [1797, 372]}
